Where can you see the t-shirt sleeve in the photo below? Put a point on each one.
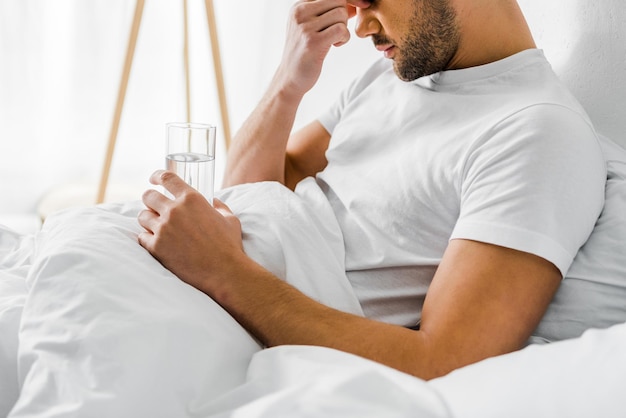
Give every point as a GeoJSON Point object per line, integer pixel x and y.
{"type": "Point", "coordinates": [331, 117]}
{"type": "Point", "coordinates": [534, 183]}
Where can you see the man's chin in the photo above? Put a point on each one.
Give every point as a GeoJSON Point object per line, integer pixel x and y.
{"type": "Point", "coordinates": [407, 74]}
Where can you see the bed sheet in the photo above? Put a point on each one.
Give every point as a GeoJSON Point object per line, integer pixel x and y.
{"type": "Point", "coordinates": [15, 255]}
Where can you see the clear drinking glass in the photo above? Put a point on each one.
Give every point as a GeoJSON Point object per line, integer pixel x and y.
{"type": "Point", "coordinates": [190, 153]}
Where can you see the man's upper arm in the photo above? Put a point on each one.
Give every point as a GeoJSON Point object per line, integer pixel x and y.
{"type": "Point", "coordinates": [306, 153]}
{"type": "Point", "coordinates": [484, 300]}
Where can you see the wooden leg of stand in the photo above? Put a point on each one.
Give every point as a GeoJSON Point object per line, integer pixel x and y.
{"type": "Point", "coordinates": [186, 61]}
{"type": "Point", "coordinates": [130, 51]}
{"type": "Point", "coordinates": [219, 75]}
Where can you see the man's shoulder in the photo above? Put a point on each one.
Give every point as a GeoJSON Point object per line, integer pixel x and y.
{"type": "Point", "coordinates": [379, 68]}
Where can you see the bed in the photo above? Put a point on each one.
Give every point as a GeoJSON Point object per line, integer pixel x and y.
{"type": "Point", "coordinates": [92, 325]}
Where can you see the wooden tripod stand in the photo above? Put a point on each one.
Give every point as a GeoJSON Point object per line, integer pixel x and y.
{"type": "Point", "coordinates": [130, 51]}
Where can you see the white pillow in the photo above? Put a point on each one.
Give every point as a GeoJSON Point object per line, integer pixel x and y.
{"type": "Point", "coordinates": [593, 292]}
{"type": "Point", "coordinates": [108, 331]}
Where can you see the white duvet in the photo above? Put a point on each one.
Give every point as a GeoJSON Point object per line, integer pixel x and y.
{"type": "Point", "coordinates": [92, 326]}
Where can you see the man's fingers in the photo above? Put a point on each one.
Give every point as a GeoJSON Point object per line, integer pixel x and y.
{"type": "Point", "coordinates": [145, 240]}
{"type": "Point", "coordinates": [343, 35]}
{"type": "Point", "coordinates": [155, 200]}
{"type": "Point", "coordinates": [221, 207]}
{"type": "Point", "coordinates": [170, 182]}
{"type": "Point", "coordinates": [361, 4]}
{"type": "Point", "coordinates": [351, 11]}
{"type": "Point", "coordinates": [148, 219]}
{"type": "Point", "coordinates": [305, 10]}
{"type": "Point", "coordinates": [319, 16]}
{"type": "Point", "coordinates": [333, 25]}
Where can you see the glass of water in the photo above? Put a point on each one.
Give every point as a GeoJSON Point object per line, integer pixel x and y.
{"type": "Point", "coordinates": [190, 153]}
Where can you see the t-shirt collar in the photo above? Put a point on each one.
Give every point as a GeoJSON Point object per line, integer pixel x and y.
{"type": "Point", "coordinates": [465, 75]}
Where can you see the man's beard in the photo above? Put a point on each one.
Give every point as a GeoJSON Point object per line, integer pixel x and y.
{"type": "Point", "coordinates": [431, 43]}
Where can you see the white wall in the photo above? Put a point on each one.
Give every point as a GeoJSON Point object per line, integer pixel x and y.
{"type": "Point", "coordinates": [586, 42]}
{"type": "Point", "coordinates": [60, 66]}
{"type": "Point", "coordinates": [60, 63]}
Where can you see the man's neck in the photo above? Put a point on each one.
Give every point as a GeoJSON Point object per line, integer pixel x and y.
{"type": "Point", "coordinates": [490, 31]}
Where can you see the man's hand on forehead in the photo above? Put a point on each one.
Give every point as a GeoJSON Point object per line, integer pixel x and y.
{"type": "Point", "coordinates": [360, 4]}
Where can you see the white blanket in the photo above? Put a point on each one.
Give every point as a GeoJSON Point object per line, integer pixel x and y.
{"type": "Point", "coordinates": [93, 326]}
{"type": "Point", "coordinates": [107, 331]}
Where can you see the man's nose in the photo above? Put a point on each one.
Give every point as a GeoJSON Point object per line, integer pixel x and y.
{"type": "Point", "coordinates": [366, 23]}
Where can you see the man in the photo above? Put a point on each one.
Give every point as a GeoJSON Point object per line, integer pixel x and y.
{"type": "Point", "coordinates": [466, 170]}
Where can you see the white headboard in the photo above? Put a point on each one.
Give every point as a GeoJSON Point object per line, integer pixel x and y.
{"type": "Point", "coordinates": [585, 40]}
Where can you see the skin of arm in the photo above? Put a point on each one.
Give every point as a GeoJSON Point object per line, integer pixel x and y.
{"type": "Point", "coordinates": [484, 300]}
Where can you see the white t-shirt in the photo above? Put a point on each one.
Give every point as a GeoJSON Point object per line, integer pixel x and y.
{"type": "Point", "coordinates": [500, 153]}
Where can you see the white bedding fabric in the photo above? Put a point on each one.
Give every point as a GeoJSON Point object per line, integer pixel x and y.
{"type": "Point", "coordinates": [107, 331]}
{"type": "Point", "coordinates": [93, 326]}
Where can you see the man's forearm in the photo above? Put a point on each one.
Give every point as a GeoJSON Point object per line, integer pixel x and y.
{"type": "Point", "coordinates": [258, 150]}
{"type": "Point", "coordinates": [484, 301]}
{"type": "Point", "coordinates": [278, 314]}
